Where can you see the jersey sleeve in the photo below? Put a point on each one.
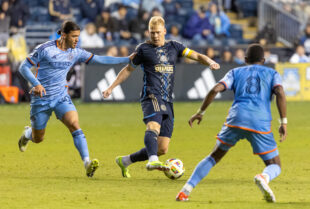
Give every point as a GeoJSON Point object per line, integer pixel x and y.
{"type": "Point", "coordinates": [84, 56]}
{"type": "Point", "coordinates": [181, 49]}
{"type": "Point", "coordinates": [137, 60]}
{"type": "Point", "coordinates": [35, 56]}
{"type": "Point", "coordinates": [277, 80]}
{"type": "Point", "coordinates": [228, 80]}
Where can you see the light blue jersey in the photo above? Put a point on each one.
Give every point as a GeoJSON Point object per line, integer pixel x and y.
{"type": "Point", "coordinates": [52, 65]}
{"type": "Point", "coordinates": [253, 87]}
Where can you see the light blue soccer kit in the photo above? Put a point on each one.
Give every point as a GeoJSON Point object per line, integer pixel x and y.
{"type": "Point", "coordinates": [250, 115]}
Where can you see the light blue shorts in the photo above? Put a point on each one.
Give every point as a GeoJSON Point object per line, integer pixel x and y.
{"type": "Point", "coordinates": [40, 114]}
{"type": "Point", "coordinates": [263, 145]}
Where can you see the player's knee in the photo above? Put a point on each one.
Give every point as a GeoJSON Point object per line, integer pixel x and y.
{"type": "Point", "coordinates": [162, 151]}
{"type": "Point", "coordinates": [37, 139]}
{"type": "Point", "coordinates": [74, 125]}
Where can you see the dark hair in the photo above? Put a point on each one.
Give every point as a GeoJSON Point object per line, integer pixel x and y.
{"type": "Point", "coordinates": [67, 27]}
{"type": "Point", "coordinates": [254, 53]}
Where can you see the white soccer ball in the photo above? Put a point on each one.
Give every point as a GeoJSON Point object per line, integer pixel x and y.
{"type": "Point", "coordinates": [176, 168]}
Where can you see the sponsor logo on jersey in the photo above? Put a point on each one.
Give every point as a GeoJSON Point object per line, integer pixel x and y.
{"type": "Point", "coordinates": [164, 68]}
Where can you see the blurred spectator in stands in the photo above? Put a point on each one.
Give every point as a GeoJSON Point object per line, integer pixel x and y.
{"type": "Point", "coordinates": [19, 13]}
{"type": "Point", "coordinates": [299, 56]}
{"type": "Point", "coordinates": [60, 10]}
{"type": "Point", "coordinates": [219, 21]}
{"type": "Point", "coordinates": [171, 8]}
{"type": "Point", "coordinates": [17, 47]}
{"type": "Point", "coordinates": [305, 39]}
{"type": "Point", "coordinates": [269, 57]}
{"type": "Point", "coordinates": [149, 5]}
{"type": "Point", "coordinates": [210, 52]}
{"type": "Point", "coordinates": [89, 38]}
{"type": "Point", "coordinates": [4, 28]}
{"type": "Point", "coordinates": [267, 35]}
{"type": "Point", "coordinates": [239, 56]}
{"type": "Point", "coordinates": [123, 25]}
{"type": "Point", "coordinates": [106, 26]}
{"type": "Point", "coordinates": [139, 26]}
{"type": "Point", "coordinates": [174, 34]}
{"type": "Point", "coordinates": [198, 28]}
{"type": "Point", "coordinates": [112, 51]}
{"type": "Point", "coordinates": [226, 57]}
{"type": "Point", "coordinates": [5, 7]}
{"type": "Point", "coordinates": [123, 51]}
{"type": "Point", "coordinates": [90, 9]}
{"type": "Point", "coordinates": [156, 12]}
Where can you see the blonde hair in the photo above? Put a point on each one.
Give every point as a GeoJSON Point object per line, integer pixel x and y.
{"type": "Point", "coordinates": [156, 20]}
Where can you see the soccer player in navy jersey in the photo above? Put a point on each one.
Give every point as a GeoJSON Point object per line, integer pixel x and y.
{"type": "Point", "coordinates": [249, 118]}
{"type": "Point", "coordinates": [52, 61]}
{"type": "Point", "coordinates": [157, 58]}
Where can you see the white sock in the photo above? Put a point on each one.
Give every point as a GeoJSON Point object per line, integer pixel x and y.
{"type": "Point", "coordinates": [126, 160]}
{"type": "Point", "coordinates": [266, 177]}
{"type": "Point", "coordinates": [153, 158]}
{"type": "Point", "coordinates": [28, 133]}
{"type": "Point", "coordinates": [187, 188]}
{"type": "Point", "coordinates": [86, 161]}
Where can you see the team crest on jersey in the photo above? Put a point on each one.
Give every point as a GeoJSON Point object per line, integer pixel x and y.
{"type": "Point", "coordinates": [163, 107]}
{"type": "Point", "coordinates": [70, 56]}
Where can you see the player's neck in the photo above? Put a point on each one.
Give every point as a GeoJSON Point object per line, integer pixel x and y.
{"type": "Point", "coordinates": [61, 44]}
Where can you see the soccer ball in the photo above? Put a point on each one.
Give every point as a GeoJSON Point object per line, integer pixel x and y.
{"type": "Point", "coordinates": [176, 168]}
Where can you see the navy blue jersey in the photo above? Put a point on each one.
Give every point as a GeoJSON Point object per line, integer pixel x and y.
{"type": "Point", "coordinates": [158, 65]}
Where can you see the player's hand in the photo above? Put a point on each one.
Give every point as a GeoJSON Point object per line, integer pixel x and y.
{"type": "Point", "coordinates": [38, 90]}
{"type": "Point", "coordinates": [107, 93]}
{"type": "Point", "coordinates": [132, 56]}
{"type": "Point", "coordinates": [214, 66]}
{"type": "Point", "coordinates": [197, 117]}
{"type": "Point", "coordinates": [282, 132]}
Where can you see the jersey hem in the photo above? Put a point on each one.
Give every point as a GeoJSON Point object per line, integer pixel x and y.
{"type": "Point", "coordinates": [248, 129]}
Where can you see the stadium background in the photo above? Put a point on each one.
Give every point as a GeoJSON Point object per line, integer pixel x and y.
{"type": "Point", "coordinates": [50, 175]}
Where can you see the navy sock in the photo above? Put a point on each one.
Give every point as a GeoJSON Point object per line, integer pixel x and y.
{"type": "Point", "coordinates": [141, 155]}
{"type": "Point", "coordinates": [150, 141]}
{"type": "Point", "coordinates": [80, 143]}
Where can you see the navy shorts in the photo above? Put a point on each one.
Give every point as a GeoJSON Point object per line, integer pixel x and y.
{"type": "Point", "coordinates": [155, 109]}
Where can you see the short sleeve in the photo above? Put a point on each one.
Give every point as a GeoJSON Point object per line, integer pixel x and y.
{"type": "Point", "coordinates": [181, 49]}
{"type": "Point", "coordinates": [137, 60]}
{"type": "Point", "coordinates": [35, 56]}
{"type": "Point", "coordinates": [228, 80]}
{"type": "Point", "coordinates": [84, 56]}
{"type": "Point", "coordinates": [277, 80]}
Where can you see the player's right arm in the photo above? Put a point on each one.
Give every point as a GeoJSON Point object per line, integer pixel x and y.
{"type": "Point", "coordinates": [121, 77]}
{"type": "Point", "coordinates": [281, 105]}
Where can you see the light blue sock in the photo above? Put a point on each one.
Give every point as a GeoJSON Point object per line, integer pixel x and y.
{"type": "Point", "coordinates": [272, 171]}
{"type": "Point", "coordinates": [80, 143]}
{"type": "Point", "coordinates": [201, 170]}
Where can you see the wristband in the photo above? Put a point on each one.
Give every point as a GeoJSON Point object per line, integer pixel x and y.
{"type": "Point", "coordinates": [200, 112]}
{"type": "Point", "coordinates": [283, 121]}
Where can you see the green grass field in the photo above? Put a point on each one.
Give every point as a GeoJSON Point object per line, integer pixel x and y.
{"type": "Point", "coordinates": [51, 175]}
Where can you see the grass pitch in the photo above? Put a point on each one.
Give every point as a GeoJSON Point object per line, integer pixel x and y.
{"type": "Point", "coordinates": [51, 174]}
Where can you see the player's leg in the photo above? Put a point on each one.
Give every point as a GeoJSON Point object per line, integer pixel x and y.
{"type": "Point", "coordinates": [35, 133]}
{"type": "Point", "coordinates": [265, 146]}
{"type": "Point", "coordinates": [226, 139]}
{"type": "Point", "coordinates": [66, 112]}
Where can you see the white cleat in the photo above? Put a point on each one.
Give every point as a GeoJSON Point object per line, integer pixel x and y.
{"type": "Point", "coordinates": [23, 141]}
{"type": "Point", "coordinates": [262, 184]}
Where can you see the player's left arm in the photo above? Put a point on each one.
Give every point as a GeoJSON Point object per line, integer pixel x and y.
{"type": "Point", "coordinates": [202, 59]}
{"type": "Point", "coordinates": [206, 102]}
{"type": "Point", "coordinates": [281, 105]}
{"type": "Point", "coordinates": [109, 60]}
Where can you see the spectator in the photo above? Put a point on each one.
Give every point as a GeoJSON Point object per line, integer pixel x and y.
{"type": "Point", "coordinates": [19, 13]}
{"type": "Point", "coordinates": [299, 56]}
{"type": "Point", "coordinates": [156, 12]}
{"type": "Point", "coordinates": [270, 58]}
{"type": "Point", "coordinates": [218, 20]}
{"type": "Point", "coordinates": [90, 9]}
{"type": "Point", "coordinates": [89, 38]}
{"type": "Point", "coordinates": [171, 8]}
{"type": "Point", "coordinates": [5, 7]}
{"type": "Point", "coordinates": [60, 10]}
{"type": "Point", "coordinates": [239, 57]}
{"type": "Point", "coordinates": [267, 35]}
{"type": "Point", "coordinates": [227, 57]}
{"type": "Point", "coordinates": [112, 51]}
{"type": "Point", "coordinates": [123, 51]}
{"type": "Point", "coordinates": [106, 26]}
{"type": "Point", "coordinates": [149, 5]}
{"type": "Point", "coordinates": [198, 28]}
{"type": "Point", "coordinates": [4, 28]}
{"type": "Point", "coordinates": [174, 34]}
{"type": "Point", "coordinates": [139, 26]}
{"type": "Point", "coordinates": [123, 24]}
{"type": "Point", "coordinates": [305, 39]}
{"type": "Point", "coordinates": [210, 52]}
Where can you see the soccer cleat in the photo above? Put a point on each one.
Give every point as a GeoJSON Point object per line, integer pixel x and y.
{"type": "Point", "coordinates": [262, 184]}
{"type": "Point", "coordinates": [125, 170]}
{"type": "Point", "coordinates": [23, 141]}
{"type": "Point", "coordinates": [182, 197]}
{"type": "Point", "coordinates": [156, 165]}
{"type": "Point", "coordinates": [92, 167]}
